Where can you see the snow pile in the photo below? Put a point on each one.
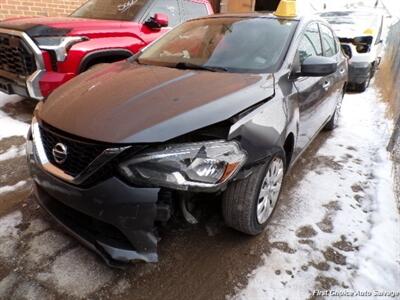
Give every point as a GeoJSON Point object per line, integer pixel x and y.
{"type": "Point", "coordinates": [380, 258]}
{"type": "Point", "coordinates": [340, 221]}
{"type": "Point", "coordinates": [9, 126]}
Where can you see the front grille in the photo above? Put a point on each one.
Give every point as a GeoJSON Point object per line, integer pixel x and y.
{"type": "Point", "coordinates": [15, 56]}
{"type": "Point", "coordinates": [80, 152]}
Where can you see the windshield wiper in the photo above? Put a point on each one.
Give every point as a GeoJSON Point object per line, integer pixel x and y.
{"type": "Point", "coordinates": [186, 65]}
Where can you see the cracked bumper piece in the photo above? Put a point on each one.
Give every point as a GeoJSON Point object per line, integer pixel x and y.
{"type": "Point", "coordinates": [111, 218]}
{"type": "Point", "coordinates": [359, 72]}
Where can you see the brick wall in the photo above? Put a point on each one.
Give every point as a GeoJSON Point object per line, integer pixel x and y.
{"type": "Point", "coordinates": [18, 8]}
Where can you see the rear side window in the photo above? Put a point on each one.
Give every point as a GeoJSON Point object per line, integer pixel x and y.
{"type": "Point", "coordinates": [310, 44]}
{"type": "Point", "coordinates": [328, 42]}
{"type": "Point", "coordinates": [194, 10]}
{"type": "Point", "coordinates": [168, 7]}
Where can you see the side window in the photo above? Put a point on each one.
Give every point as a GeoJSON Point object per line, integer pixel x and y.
{"type": "Point", "coordinates": [168, 7]}
{"type": "Point", "coordinates": [328, 41]}
{"type": "Point", "coordinates": [194, 10]}
{"type": "Point", "coordinates": [310, 44]}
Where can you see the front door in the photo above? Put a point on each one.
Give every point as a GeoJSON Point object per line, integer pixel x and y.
{"type": "Point", "coordinates": [311, 91]}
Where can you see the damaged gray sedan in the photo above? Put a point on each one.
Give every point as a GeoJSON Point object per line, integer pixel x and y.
{"type": "Point", "coordinates": [220, 106]}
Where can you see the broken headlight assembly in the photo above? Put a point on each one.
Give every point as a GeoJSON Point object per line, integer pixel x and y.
{"type": "Point", "coordinates": [200, 166]}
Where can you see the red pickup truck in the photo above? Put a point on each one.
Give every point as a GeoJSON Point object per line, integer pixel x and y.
{"type": "Point", "coordinates": [37, 55]}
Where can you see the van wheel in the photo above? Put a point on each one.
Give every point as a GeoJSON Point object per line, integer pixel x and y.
{"type": "Point", "coordinates": [247, 205]}
{"type": "Point", "coordinates": [361, 87]}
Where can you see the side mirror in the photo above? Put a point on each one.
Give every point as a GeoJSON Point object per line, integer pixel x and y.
{"type": "Point", "coordinates": [158, 21]}
{"type": "Point", "coordinates": [318, 66]}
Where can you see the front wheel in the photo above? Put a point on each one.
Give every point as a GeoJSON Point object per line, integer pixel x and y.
{"type": "Point", "coordinates": [249, 204]}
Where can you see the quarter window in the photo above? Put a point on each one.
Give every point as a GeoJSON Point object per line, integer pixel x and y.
{"type": "Point", "coordinates": [328, 42]}
{"type": "Point", "coordinates": [194, 9]}
{"type": "Point", "coordinates": [168, 7]}
{"type": "Point", "coordinates": [310, 44]}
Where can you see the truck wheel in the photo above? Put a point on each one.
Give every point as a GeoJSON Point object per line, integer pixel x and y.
{"type": "Point", "coordinates": [248, 204]}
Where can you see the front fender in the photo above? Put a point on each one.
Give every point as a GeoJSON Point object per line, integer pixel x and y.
{"type": "Point", "coordinates": [261, 130]}
{"type": "Point", "coordinates": [80, 51]}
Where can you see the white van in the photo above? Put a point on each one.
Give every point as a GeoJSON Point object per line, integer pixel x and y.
{"type": "Point", "coordinates": [360, 33]}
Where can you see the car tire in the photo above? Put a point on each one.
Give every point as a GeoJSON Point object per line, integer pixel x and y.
{"type": "Point", "coordinates": [243, 200]}
{"type": "Point", "coordinates": [362, 87]}
{"type": "Point", "coordinates": [334, 120]}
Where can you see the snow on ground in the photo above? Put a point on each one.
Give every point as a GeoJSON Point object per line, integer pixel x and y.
{"type": "Point", "coordinates": [9, 189]}
{"type": "Point", "coordinates": [356, 244]}
{"type": "Point", "coordinates": [9, 126]}
{"type": "Point", "coordinates": [9, 223]}
{"type": "Point", "coordinates": [13, 152]}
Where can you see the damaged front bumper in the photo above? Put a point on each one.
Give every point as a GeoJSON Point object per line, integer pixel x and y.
{"type": "Point", "coordinates": [111, 218]}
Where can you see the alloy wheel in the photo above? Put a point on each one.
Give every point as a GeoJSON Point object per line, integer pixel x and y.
{"type": "Point", "coordinates": [270, 190]}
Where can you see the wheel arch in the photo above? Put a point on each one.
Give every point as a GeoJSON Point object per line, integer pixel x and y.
{"type": "Point", "coordinates": [288, 147]}
{"type": "Point", "coordinates": [103, 56]}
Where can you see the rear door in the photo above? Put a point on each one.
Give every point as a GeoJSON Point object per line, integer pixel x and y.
{"type": "Point", "coordinates": [311, 91]}
{"type": "Point", "coordinates": [334, 83]}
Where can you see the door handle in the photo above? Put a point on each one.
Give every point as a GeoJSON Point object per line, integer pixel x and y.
{"type": "Point", "coordinates": [326, 84]}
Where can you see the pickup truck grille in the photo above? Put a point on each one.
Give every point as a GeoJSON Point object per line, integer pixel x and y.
{"type": "Point", "coordinates": [15, 56]}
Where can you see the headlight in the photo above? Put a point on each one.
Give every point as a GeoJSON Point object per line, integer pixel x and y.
{"type": "Point", "coordinates": [183, 166]}
{"type": "Point", "coordinates": [59, 44]}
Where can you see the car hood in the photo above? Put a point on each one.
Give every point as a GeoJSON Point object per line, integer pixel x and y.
{"type": "Point", "coordinates": [130, 103]}
{"type": "Point", "coordinates": [60, 26]}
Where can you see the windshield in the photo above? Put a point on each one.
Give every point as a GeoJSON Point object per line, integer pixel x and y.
{"type": "Point", "coordinates": [251, 45]}
{"type": "Point", "coordinates": [119, 10]}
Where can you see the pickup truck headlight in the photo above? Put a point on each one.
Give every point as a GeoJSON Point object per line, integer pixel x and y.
{"type": "Point", "coordinates": [59, 44]}
{"type": "Point", "coordinates": [184, 166]}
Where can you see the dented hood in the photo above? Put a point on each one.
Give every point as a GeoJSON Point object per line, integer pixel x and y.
{"type": "Point", "coordinates": [130, 103]}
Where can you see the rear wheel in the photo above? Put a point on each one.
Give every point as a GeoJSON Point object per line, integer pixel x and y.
{"type": "Point", "coordinates": [334, 121]}
{"type": "Point", "coordinates": [249, 204]}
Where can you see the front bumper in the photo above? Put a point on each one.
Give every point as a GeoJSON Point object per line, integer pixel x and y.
{"type": "Point", "coordinates": [111, 218]}
{"type": "Point", "coordinates": [26, 86]}
{"type": "Point", "coordinates": [41, 82]}
{"type": "Point", "coordinates": [359, 72]}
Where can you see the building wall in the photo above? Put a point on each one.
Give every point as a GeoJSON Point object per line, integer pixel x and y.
{"type": "Point", "coordinates": [237, 6]}
{"type": "Point", "coordinates": [18, 8]}
{"type": "Point", "coordinates": [50, 8]}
